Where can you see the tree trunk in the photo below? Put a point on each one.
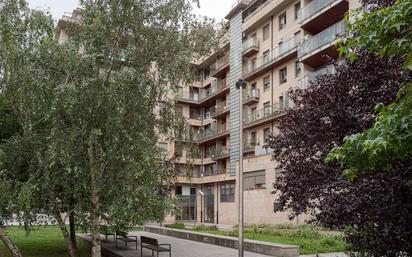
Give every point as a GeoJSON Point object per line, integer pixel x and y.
{"type": "Point", "coordinates": [95, 174]}
{"type": "Point", "coordinates": [72, 230]}
{"type": "Point", "coordinates": [69, 243]}
{"type": "Point", "coordinates": [9, 244]}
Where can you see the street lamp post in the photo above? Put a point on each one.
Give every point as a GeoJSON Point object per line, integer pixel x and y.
{"type": "Point", "coordinates": [241, 84]}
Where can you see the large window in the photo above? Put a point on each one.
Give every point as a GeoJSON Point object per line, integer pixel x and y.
{"type": "Point", "coordinates": [283, 75]}
{"type": "Point", "coordinates": [227, 192]}
{"type": "Point", "coordinates": [265, 32]}
{"type": "Point", "coordinates": [298, 68]}
{"type": "Point", "coordinates": [282, 21]}
{"type": "Point", "coordinates": [266, 134]}
{"type": "Point", "coordinates": [266, 84]}
{"type": "Point", "coordinates": [297, 10]}
{"type": "Point", "coordinates": [254, 180]}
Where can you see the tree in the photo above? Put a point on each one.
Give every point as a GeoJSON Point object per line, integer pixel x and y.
{"type": "Point", "coordinates": [9, 127]}
{"type": "Point", "coordinates": [92, 109]}
{"type": "Point", "coordinates": [386, 31]}
{"type": "Point", "coordinates": [375, 210]}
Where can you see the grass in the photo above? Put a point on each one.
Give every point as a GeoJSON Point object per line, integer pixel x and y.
{"type": "Point", "coordinates": [44, 241]}
{"type": "Point", "coordinates": [310, 239]}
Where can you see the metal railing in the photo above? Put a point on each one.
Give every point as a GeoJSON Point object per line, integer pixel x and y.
{"type": "Point", "coordinates": [325, 37]}
{"type": "Point", "coordinates": [251, 94]}
{"type": "Point", "coordinates": [305, 81]}
{"type": "Point", "coordinates": [212, 132]}
{"type": "Point", "coordinates": [251, 42]}
{"type": "Point", "coordinates": [250, 144]}
{"type": "Point", "coordinates": [216, 87]}
{"type": "Point", "coordinates": [186, 200]}
{"type": "Point", "coordinates": [262, 114]}
{"type": "Point", "coordinates": [313, 8]}
{"type": "Point", "coordinates": [220, 151]}
{"type": "Point", "coordinates": [221, 108]}
{"type": "Point", "coordinates": [276, 54]}
{"type": "Point", "coordinates": [250, 15]}
{"type": "Point", "coordinates": [219, 64]}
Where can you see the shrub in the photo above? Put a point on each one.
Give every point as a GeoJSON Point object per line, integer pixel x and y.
{"type": "Point", "coordinates": [175, 225]}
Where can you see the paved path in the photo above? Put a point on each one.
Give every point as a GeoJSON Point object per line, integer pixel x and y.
{"type": "Point", "coordinates": [185, 248]}
{"type": "Point", "coordinates": [180, 248]}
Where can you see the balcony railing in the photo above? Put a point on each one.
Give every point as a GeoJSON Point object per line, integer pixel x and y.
{"type": "Point", "coordinates": [323, 38]}
{"type": "Point", "coordinates": [221, 108]}
{"type": "Point", "coordinates": [313, 8]}
{"type": "Point", "coordinates": [251, 94]}
{"type": "Point", "coordinates": [212, 132]}
{"type": "Point", "coordinates": [252, 42]}
{"type": "Point", "coordinates": [250, 15]}
{"type": "Point", "coordinates": [276, 54]}
{"type": "Point", "coordinates": [305, 81]}
{"type": "Point", "coordinates": [262, 114]}
{"type": "Point", "coordinates": [216, 87]}
{"type": "Point", "coordinates": [190, 96]}
{"type": "Point", "coordinates": [220, 152]}
{"type": "Point", "coordinates": [186, 200]}
{"type": "Point", "coordinates": [219, 64]}
{"type": "Point", "coordinates": [250, 144]}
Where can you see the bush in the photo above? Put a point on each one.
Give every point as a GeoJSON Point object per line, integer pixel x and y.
{"type": "Point", "coordinates": [204, 227]}
{"type": "Point", "coordinates": [175, 225]}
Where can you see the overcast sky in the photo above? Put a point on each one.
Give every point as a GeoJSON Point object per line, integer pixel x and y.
{"type": "Point", "coordinates": [216, 9]}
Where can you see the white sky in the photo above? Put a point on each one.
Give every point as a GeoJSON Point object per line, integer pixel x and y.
{"type": "Point", "coordinates": [216, 9]}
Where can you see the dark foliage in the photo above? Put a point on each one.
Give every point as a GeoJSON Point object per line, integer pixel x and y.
{"type": "Point", "coordinates": [334, 106]}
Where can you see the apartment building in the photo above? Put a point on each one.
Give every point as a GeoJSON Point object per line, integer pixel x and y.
{"type": "Point", "coordinates": [274, 45]}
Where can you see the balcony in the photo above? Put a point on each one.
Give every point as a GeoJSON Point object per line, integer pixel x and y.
{"type": "Point", "coordinates": [250, 47]}
{"type": "Point", "coordinates": [320, 14]}
{"type": "Point", "coordinates": [218, 88]}
{"type": "Point", "coordinates": [213, 133]}
{"type": "Point", "coordinates": [186, 200]}
{"type": "Point", "coordinates": [262, 116]}
{"type": "Point", "coordinates": [221, 110]}
{"type": "Point", "coordinates": [220, 67]}
{"type": "Point", "coordinates": [212, 172]}
{"type": "Point", "coordinates": [250, 145]}
{"type": "Point", "coordinates": [204, 96]}
{"type": "Point", "coordinates": [188, 97]}
{"type": "Point", "coordinates": [304, 82]}
{"type": "Point", "coordinates": [221, 153]}
{"type": "Point", "coordinates": [313, 50]}
{"type": "Point", "coordinates": [279, 55]}
{"type": "Point", "coordinates": [187, 138]}
{"type": "Point", "coordinates": [251, 96]}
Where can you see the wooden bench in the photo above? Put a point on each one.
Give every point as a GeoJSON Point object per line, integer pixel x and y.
{"type": "Point", "coordinates": [153, 245]}
{"type": "Point", "coordinates": [123, 236]}
{"type": "Point", "coordinates": [105, 230]}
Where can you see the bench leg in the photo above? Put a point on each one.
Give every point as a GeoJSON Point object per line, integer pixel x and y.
{"type": "Point", "coordinates": [141, 251]}
{"type": "Point", "coordinates": [152, 253]}
{"type": "Point", "coordinates": [170, 252]}
{"type": "Point", "coordinates": [157, 253]}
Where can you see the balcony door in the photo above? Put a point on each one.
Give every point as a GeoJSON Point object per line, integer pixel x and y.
{"type": "Point", "coordinates": [209, 204]}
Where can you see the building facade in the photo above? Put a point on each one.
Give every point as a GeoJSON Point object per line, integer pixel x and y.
{"type": "Point", "coordinates": [274, 45]}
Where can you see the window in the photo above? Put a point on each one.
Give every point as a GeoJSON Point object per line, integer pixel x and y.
{"type": "Point", "coordinates": [195, 114]}
{"type": "Point", "coordinates": [266, 108]}
{"type": "Point", "coordinates": [282, 21]}
{"type": "Point", "coordinates": [266, 84]}
{"type": "Point", "coordinates": [253, 138]}
{"type": "Point", "coordinates": [266, 134]}
{"type": "Point", "coordinates": [297, 10]}
{"type": "Point", "coordinates": [253, 64]}
{"type": "Point", "coordinates": [298, 68]}
{"type": "Point", "coordinates": [266, 56]}
{"type": "Point", "coordinates": [265, 32]}
{"type": "Point", "coordinates": [206, 73]}
{"type": "Point", "coordinates": [227, 192]}
{"type": "Point", "coordinates": [253, 113]}
{"type": "Point", "coordinates": [283, 75]}
{"type": "Point", "coordinates": [297, 38]}
{"type": "Point", "coordinates": [254, 180]}
{"type": "Point", "coordinates": [178, 190]}
{"type": "Point", "coordinates": [281, 102]}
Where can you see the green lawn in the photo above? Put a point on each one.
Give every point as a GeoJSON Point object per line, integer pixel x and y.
{"type": "Point", "coordinates": [309, 239]}
{"type": "Point", "coordinates": [45, 241]}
